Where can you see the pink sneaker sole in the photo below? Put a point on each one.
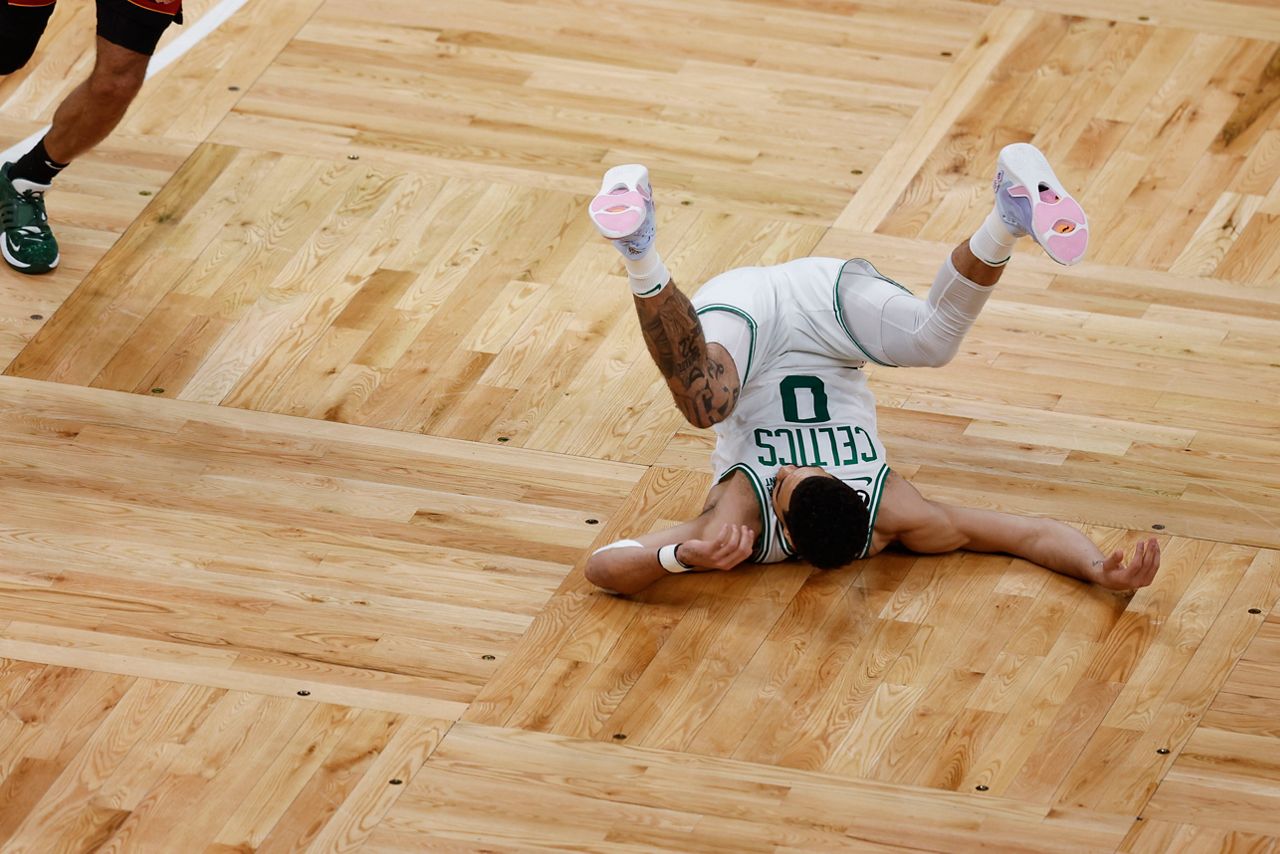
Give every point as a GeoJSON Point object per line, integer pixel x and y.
{"type": "Point", "coordinates": [620, 209]}
{"type": "Point", "coordinates": [1056, 221]}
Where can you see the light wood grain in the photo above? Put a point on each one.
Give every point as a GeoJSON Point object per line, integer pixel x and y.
{"type": "Point", "coordinates": [336, 387]}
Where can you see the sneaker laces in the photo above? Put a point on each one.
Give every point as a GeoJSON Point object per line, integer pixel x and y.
{"type": "Point", "coordinates": [11, 214]}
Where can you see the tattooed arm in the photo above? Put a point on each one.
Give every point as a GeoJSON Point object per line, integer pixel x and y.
{"type": "Point", "coordinates": [702, 377]}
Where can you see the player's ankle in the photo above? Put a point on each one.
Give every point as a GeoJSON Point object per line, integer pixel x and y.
{"type": "Point", "coordinates": [992, 243]}
{"type": "Point", "coordinates": [36, 167]}
{"type": "Point", "coordinates": [647, 274]}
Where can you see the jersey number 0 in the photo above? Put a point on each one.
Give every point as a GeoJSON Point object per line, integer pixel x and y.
{"type": "Point", "coordinates": [802, 393]}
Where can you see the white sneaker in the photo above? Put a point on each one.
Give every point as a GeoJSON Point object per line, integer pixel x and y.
{"type": "Point", "coordinates": [1031, 200]}
{"type": "Point", "coordinates": [623, 210]}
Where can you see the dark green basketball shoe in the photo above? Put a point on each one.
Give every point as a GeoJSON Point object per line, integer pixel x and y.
{"type": "Point", "coordinates": [28, 243]}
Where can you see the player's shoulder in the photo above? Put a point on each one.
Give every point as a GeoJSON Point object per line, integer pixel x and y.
{"type": "Point", "coordinates": [902, 510]}
{"type": "Point", "coordinates": [736, 498]}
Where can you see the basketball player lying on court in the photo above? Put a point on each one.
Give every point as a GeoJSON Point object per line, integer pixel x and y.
{"type": "Point", "coordinates": [772, 357]}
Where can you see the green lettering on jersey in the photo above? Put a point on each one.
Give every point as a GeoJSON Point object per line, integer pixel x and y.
{"type": "Point", "coordinates": [791, 443]}
{"type": "Point", "coordinates": [804, 447]}
{"type": "Point", "coordinates": [870, 444]}
{"type": "Point", "coordinates": [761, 435]}
{"type": "Point", "coordinates": [850, 445]}
{"type": "Point", "coordinates": [817, 447]}
{"type": "Point", "coordinates": [835, 446]}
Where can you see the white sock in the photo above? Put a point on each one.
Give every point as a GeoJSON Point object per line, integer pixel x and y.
{"type": "Point", "coordinates": [648, 275]}
{"type": "Point", "coordinates": [993, 243]}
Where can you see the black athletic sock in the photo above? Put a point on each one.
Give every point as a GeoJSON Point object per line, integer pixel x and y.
{"type": "Point", "coordinates": [36, 166]}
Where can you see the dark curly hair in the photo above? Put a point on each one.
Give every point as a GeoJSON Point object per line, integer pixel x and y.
{"type": "Point", "coordinates": [828, 521]}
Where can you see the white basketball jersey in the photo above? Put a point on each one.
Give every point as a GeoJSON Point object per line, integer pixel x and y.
{"type": "Point", "coordinates": [804, 399]}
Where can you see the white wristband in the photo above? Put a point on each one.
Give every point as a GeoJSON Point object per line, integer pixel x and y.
{"type": "Point", "coordinates": [671, 563]}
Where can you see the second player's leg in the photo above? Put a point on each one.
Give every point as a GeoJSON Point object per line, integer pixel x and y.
{"type": "Point", "coordinates": [82, 120]}
{"type": "Point", "coordinates": [128, 33]}
{"type": "Point", "coordinates": [96, 106]}
{"type": "Point", "coordinates": [127, 36]}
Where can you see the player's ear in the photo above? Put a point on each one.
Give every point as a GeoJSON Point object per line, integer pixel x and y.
{"type": "Point", "coordinates": [786, 529]}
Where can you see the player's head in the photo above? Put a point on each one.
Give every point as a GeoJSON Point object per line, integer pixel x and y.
{"type": "Point", "coordinates": [824, 518]}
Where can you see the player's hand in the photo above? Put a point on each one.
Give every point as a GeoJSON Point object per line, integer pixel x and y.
{"type": "Point", "coordinates": [1115, 574]}
{"type": "Point", "coordinates": [731, 547]}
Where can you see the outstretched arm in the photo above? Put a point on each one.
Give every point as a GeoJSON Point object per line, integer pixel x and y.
{"type": "Point", "coordinates": [930, 527]}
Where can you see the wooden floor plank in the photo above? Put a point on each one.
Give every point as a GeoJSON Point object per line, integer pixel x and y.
{"type": "Point", "coordinates": [102, 603]}
{"type": "Point", "coordinates": [304, 444]}
{"type": "Point", "coordinates": [675, 802]}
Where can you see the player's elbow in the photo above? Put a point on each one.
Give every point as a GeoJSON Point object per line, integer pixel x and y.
{"type": "Point", "coordinates": [597, 572]}
{"type": "Point", "coordinates": [702, 421]}
{"type": "Point", "coordinates": [702, 416]}
{"type": "Point", "coordinates": [942, 355]}
{"type": "Point", "coordinates": [603, 572]}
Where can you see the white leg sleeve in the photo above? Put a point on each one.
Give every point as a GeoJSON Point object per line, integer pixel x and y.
{"type": "Point", "coordinates": [895, 328]}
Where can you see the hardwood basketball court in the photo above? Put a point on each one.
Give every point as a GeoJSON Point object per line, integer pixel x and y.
{"type": "Point", "coordinates": [304, 445]}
